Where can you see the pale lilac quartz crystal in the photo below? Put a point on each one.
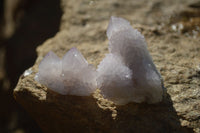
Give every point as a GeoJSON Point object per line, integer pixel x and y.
{"type": "Point", "coordinates": [127, 73]}
{"type": "Point", "coordinates": [49, 72]}
{"type": "Point", "coordinates": [71, 75]}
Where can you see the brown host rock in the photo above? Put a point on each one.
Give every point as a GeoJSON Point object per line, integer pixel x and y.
{"type": "Point", "coordinates": [176, 56]}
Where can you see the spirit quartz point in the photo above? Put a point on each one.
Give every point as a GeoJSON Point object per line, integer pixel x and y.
{"type": "Point", "coordinates": [71, 75]}
{"type": "Point", "coordinates": [50, 71]}
{"type": "Point", "coordinates": [79, 77]}
{"type": "Point", "coordinates": [128, 56]}
{"type": "Point", "coordinates": [126, 74]}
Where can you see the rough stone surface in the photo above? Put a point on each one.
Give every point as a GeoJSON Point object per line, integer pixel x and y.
{"type": "Point", "coordinates": [83, 26]}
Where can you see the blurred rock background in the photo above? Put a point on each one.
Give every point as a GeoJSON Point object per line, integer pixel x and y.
{"type": "Point", "coordinates": [25, 24]}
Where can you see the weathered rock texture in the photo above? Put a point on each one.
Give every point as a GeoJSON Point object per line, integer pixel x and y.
{"type": "Point", "coordinates": [83, 26]}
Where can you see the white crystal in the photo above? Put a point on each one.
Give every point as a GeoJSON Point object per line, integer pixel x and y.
{"type": "Point", "coordinates": [49, 73]}
{"type": "Point", "coordinates": [128, 74]}
{"type": "Point", "coordinates": [70, 76]}
{"type": "Point", "coordinates": [78, 76]}
{"type": "Point", "coordinates": [27, 72]}
{"type": "Point", "coordinates": [114, 78]}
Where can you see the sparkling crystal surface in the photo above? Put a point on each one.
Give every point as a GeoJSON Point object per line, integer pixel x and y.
{"type": "Point", "coordinates": [127, 73]}
{"type": "Point", "coordinates": [71, 75]}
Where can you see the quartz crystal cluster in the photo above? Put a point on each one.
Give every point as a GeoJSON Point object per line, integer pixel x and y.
{"type": "Point", "coordinates": [126, 74]}
{"type": "Point", "coordinates": [71, 75]}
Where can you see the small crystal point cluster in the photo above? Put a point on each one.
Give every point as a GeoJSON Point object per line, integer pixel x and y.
{"type": "Point", "coordinates": [126, 74]}
{"type": "Point", "coordinates": [71, 75]}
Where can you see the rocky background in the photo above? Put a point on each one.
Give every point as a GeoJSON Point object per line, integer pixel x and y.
{"type": "Point", "coordinates": [24, 24]}
{"type": "Point", "coordinates": [171, 29]}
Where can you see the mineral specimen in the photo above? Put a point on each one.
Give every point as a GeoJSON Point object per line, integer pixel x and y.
{"type": "Point", "coordinates": [127, 73]}
{"type": "Point", "coordinates": [71, 75]}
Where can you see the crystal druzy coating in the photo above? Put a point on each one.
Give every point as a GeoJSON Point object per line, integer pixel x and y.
{"type": "Point", "coordinates": [126, 74]}
{"type": "Point", "coordinates": [71, 75]}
